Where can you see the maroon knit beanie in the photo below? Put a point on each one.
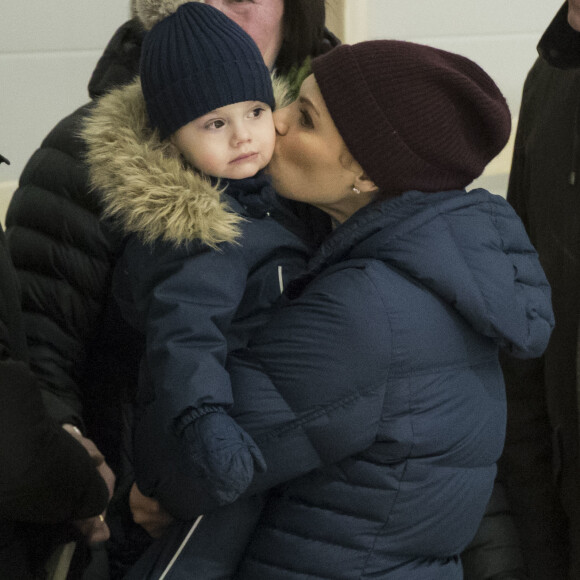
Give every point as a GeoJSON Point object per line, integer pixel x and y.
{"type": "Point", "coordinates": [413, 116]}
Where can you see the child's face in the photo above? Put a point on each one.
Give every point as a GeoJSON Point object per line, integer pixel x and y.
{"type": "Point", "coordinates": [234, 141]}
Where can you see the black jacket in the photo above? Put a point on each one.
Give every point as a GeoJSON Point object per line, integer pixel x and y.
{"type": "Point", "coordinates": [46, 477]}
{"type": "Point", "coordinates": [79, 346]}
{"type": "Point", "coordinates": [541, 462]}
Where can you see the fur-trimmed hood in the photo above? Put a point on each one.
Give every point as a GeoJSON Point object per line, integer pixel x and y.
{"type": "Point", "coordinates": [145, 185]}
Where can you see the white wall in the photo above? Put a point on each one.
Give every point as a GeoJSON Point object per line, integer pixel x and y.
{"type": "Point", "coordinates": [499, 35]}
{"type": "Point", "coordinates": [48, 50]}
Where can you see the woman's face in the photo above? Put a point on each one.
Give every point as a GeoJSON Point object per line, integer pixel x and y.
{"type": "Point", "coordinates": [261, 19]}
{"type": "Point", "coordinates": [574, 14]}
{"type": "Point", "coordinates": [311, 162]}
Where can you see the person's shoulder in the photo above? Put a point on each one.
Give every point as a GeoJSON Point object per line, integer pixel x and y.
{"type": "Point", "coordinates": [119, 63]}
{"type": "Point", "coordinates": [56, 170]}
{"type": "Point", "coordinates": [65, 135]}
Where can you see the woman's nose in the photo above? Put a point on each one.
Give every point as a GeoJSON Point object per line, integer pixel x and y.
{"type": "Point", "coordinates": [281, 120]}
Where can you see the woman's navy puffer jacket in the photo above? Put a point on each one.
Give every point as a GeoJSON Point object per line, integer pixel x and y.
{"type": "Point", "coordinates": [376, 394]}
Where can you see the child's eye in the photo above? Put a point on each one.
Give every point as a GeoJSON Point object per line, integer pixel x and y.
{"type": "Point", "coordinates": [257, 112]}
{"type": "Point", "coordinates": [217, 124]}
{"type": "Point", "coordinates": [306, 119]}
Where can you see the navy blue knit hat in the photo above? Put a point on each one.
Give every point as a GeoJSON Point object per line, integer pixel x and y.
{"type": "Point", "coordinates": [194, 60]}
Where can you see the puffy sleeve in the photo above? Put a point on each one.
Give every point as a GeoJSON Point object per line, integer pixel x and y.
{"type": "Point", "coordinates": [185, 299]}
{"type": "Point", "coordinates": [310, 385]}
{"type": "Point", "coordinates": [63, 255]}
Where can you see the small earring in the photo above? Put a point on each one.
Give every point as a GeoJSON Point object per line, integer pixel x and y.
{"type": "Point", "coordinates": [355, 189]}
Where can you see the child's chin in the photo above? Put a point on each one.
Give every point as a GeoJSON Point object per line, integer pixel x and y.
{"type": "Point", "coordinates": [243, 173]}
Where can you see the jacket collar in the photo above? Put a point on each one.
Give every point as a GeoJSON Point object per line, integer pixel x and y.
{"type": "Point", "coordinates": [560, 44]}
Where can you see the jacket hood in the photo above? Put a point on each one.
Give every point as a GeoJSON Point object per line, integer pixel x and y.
{"type": "Point", "coordinates": [470, 249]}
{"type": "Point", "coordinates": [560, 43]}
{"type": "Point", "coordinates": [144, 184]}
{"type": "Point", "coordinates": [119, 63]}
{"type": "Point", "coordinates": [560, 48]}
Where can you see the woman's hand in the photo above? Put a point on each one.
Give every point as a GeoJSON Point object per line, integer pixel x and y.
{"type": "Point", "coordinates": [148, 513]}
{"type": "Point", "coordinates": [95, 530]}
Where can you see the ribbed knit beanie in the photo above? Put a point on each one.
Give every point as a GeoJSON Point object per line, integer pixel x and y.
{"type": "Point", "coordinates": [195, 59]}
{"type": "Point", "coordinates": [413, 116]}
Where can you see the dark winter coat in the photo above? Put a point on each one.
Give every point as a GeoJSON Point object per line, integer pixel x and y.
{"type": "Point", "coordinates": [376, 396]}
{"type": "Point", "coordinates": [82, 351]}
{"type": "Point", "coordinates": [541, 463]}
{"type": "Point", "coordinates": [204, 262]}
{"type": "Point", "coordinates": [47, 479]}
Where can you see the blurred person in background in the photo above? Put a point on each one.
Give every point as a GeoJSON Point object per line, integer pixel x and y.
{"type": "Point", "coordinates": [541, 463]}
{"type": "Point", "coordinates": [54, 487]}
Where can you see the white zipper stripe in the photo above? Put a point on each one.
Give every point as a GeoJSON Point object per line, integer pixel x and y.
{"type": "Point", "coordinates": [180, 549]}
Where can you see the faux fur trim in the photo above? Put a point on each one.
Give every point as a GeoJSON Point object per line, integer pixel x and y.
{"type": "Point", "coordinates": [150, 12]}
{"type": "Point", "coordinates": [145, 186]}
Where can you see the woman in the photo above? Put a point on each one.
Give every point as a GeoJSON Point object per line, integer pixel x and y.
{"type": "Point", "coordinates": [375, 392]}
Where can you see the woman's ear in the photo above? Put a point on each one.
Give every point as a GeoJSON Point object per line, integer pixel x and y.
{"type": "Point", "coordinates": [362, 182]}
{"type": "Point", "coordinates": [365, 184]}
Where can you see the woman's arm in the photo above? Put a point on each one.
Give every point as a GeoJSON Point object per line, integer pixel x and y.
{"type": "Point", "coordinates": [320, 367]}
{"type": "Point", "coordinates": [310, 386]}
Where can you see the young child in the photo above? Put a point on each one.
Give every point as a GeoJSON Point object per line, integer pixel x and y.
{"type": "Point", "coordinates": [178, 158]}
